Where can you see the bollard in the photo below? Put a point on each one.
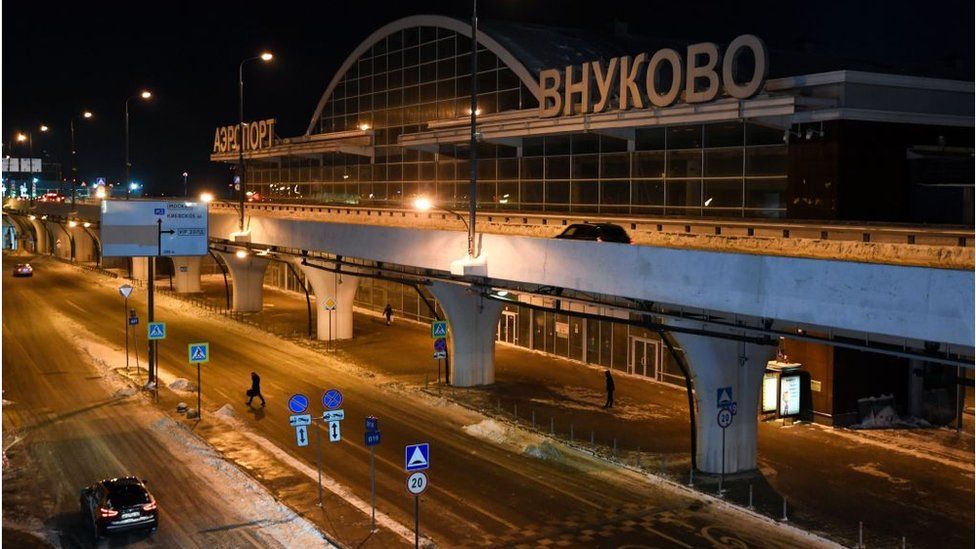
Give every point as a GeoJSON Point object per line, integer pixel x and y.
{"type": "Point", "coordinates": [638, 457]}
{"type": "Point", "coordinates": [750, 499]}
{"type": "Point", "coordinates": [426, 381]}
{"type": "Point", "coordinates": [903, 542]}
{"type": "Point", "coordinates": [691, 478]}
{"type": "Point", "coordinates": [592, 438]}
{"type": "Point", "coordinates": [571, 432]}
{"type": "Point", "coordinates": [860, 533]}
{"type": "Point", "coordinates": [552, 426]}
{"type": "Point", "coordinates": [533, 419]}
{"type": "Point", "coordinates": [664, 466]}
{"type": "Point", "coordinates": [499, 405]}
{"type": "Point", "coordinates": [615, 448]}
{"type": "Point", "coordinates": [515, 413]}
{"type": "Point", "coordinates": [784, 509]}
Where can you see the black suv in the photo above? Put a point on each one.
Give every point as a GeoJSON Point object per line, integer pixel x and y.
{"type": "Point", "coordinates": [600, 232]}
{"type": "Point", "coordinates": [119, 504]}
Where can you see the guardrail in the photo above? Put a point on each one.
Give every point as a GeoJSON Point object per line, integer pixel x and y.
{"type": "Point", "coordinates": [836, 231]}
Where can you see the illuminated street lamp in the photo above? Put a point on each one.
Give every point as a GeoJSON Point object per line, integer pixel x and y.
{"type": "Point", "coordinates": [29, 139]}
{"type": "Point", "coordinates": [265, 57]}
{"type": "Point", "coordinates": [145, 95]}
{"type": "Point", "coordinates": [206, 198]}
{"type": "Point", "coordinates": [425, 204]}
{"type": "Point", "coordinates": [473, 112]}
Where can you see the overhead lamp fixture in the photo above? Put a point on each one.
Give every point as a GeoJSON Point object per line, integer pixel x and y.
{"type": "Point", "coordinates": [72, 223]}
{"type": "Point", "coordinates": [86, 224]}
{"type": "Point", "coordinates": [241, 254]}
{"type": "Point", "coordinates": [267, 56]}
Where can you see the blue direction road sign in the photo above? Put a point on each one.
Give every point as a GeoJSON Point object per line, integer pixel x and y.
{"type": "Point", "coordinates": [335, 434]}
{"type": "Point", "coordinates": [416, 457]}
{"type": "Point", "coordinates": [724, 396]}
{"type": "Point", "coordinates": [300, 420]}
{"type": "Point", "coordinates": [199, 352]}
{"type": "Point", "coordinates": [439, 355]}
{"type": "Point", "coordinates": [372, 424]}
{"type": "Point", "coordinates": [133, 319]}
{"type": "Point", "coordinates": [301, 434]}
{"type": "Point", "coordinates": [157, 330]}
{"type": "Point", "coordinates": [372, 438]}
{"type": "Point", "coordinates": [298, 403]}
{"type": "Point", "coordinates": [438, 328]}
{"type": "Point", "coordinates": [440, 344]}
{"type": "Point", "coordinates": [332, 399]}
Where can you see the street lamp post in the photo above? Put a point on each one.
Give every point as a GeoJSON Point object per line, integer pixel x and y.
{"type": "Point", "coordinates": [185, 192]}
{"type": "Point", "coordinates": [145, 94]}
{"type": "Point", "coordinates": [473, 187]}
{"type": "Point", "coordinates": [29, 138]}
{"type": "Point", "coordinates": [266, 56]}
{"type": "Point", "coordinates": [74, 157]}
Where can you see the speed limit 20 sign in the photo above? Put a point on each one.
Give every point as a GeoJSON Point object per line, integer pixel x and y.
{"type": "Point", "coordinates": [417, 483]}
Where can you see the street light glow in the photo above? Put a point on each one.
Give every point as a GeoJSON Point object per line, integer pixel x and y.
{"type": "Point", "coordinates": [72, 223]}
{"type": "Point", "coordinates": [146, 94]}
{"type": "Point", "coordinates": [267, 56]}
{"type": "Point", "coordinates": [241, 254]}
{"type": "Point", "coordinates": [44, 128]}
{"type": "Point", "coordinates": [423, 204]}
{"type": "Point", "coordinates": [86, 224]}
{"type": "Point", "coordinates": [133, 185]}
{"type": "Point", "coordinates": [100, 193]}
{"type": "Point", "coordinates": [87, 114]}
{"type": "Point", "coordinates": [21, 137]}
{"type": "Point", "coordinates": [206, 198]}
{"type": "Point", "coordinates": [364, 127]}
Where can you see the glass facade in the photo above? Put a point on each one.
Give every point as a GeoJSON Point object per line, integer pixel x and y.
{"type": "Point", "coordinates": [419, 75]}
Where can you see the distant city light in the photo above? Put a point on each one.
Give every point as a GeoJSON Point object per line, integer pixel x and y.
{"type": "Point", "coordinates": [20, 137]}
{"type": "Point", "coordinates": [44, 128]}
{"type": "Point", "coordinates": [72, 223]}
{"type": "Point", "coordinates": [100, 193]}
{"type": "Point", "coordinates": [133, 185]}
{"type": "Point", "coordinates": [364, 127]}
{"type": "Point", "coordinates": [88, 114]}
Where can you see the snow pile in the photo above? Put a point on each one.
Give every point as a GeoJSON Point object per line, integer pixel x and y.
{"type": "Point", "coordinates": [879, 413]}
{"type": "Point", "coordinates": [182, 384]}
{"type": "Point", "coordinates": [491, 430]}
{"type": "Point", "coordinates": [7, 402]}
{"type": "Point", "coordinates": [226, 412]}
{"type": "Point", "coordinates": [546, 451]}
{"type": "Point", "coordinates": [124, 392]}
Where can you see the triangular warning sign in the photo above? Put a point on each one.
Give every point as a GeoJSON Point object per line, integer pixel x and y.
{"type": "Point", "coordinates": [417, 459]}
{"type": "Point", "coordinates": [156, 330]}
{"type": "Point", "coordinates": [199, 354]}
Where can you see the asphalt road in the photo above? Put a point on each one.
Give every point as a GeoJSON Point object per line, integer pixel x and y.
{"type": "Point", "coordinates": [481, 493]}
{"type": "Point", "coordinates": [64, 429]}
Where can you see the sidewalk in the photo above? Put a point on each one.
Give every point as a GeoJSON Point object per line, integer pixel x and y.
{"type": "Point", "coordinates": [897, 482]}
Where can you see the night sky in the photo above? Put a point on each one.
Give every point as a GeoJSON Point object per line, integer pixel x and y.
{"type": "Point", "coordinates": [60, 58]}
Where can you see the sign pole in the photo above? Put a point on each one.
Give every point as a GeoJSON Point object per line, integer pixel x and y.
{"type": "Point", "coordinates": [721, 479]}
{"type": "Point", "coordinates": [152, 317]}
{"type": "Point", "coordinates": [331, 346]}
{"type": "Point", "coordinates": [125, 319]}
{"type": "Point", "coordinates": [318, 459]}
{"type": "Point", "coordinates": [199, 409]}
{"type": "Point", "coordinates": [416, 522]}
{"type": "Point", "coordinates": [372, 485]}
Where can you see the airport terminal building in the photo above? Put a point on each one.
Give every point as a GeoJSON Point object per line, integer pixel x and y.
{"type": "Point", "coordinates": [614, 124]}
{"type": "Point", "coordinates": [621, 125]}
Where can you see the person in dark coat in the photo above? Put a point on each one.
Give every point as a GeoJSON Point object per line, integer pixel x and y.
{"type": "Point", "coordinates": [255, 390]}
{"type": "Point", "coordinates": [388, 313]}
{"type": "Point", "coordinates": [610, 389]}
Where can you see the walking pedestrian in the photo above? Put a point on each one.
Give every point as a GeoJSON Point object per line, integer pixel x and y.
{"type": "Point", "coordinates": [255, 390]}
{"type": "Point", "coordinates": [610, 389]}
{"type": "Point", "coordinates": [388, 313]}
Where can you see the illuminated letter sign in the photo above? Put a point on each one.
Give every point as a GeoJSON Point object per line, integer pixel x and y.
{"type": "Point", "coordinates": [659, 79]}
{"type": "Point", "coordinates": [256, 136]}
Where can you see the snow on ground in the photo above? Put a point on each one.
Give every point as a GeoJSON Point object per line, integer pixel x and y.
{"type": "Point", "coordinates": [182, 385]}
{"type": "Point", "coordinates": [278, 522]}
{"type": "Point", "coordinates": [873, 470]}
{"type": "Point", "coordinates": [930, 444]}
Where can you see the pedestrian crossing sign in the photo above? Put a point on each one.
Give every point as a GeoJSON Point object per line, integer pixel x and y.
{"type": "Point", "coordinates": [157, 330]}
{"type": "Point", "coordinates": [438, 328]}
{"type": "Point", "coordinates": [199, 352]}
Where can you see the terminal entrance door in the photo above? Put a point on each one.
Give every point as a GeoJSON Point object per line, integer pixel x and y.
{"type": "Point", "coordinates": [508, 327]}
{"type": "Point", "coordinates": [644, 355]}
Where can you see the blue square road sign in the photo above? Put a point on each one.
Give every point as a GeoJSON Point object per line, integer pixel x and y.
{"type": "Point", "coordinates": [416, 457]}
{"type": "Point", "coordinates": [199, 352]}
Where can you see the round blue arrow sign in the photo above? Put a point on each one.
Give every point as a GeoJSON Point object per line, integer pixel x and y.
{"type": "Point", "coordinates": [332, 399]}
{"type": "Point", "coordinates": [298, 403]}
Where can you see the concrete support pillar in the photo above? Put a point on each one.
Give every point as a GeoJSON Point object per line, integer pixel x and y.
{"type": "Point", "coordinates": [714, 364]}
{"type": "Point", "coordinates": [41, 244]}
{"type": "Point", "coordinates": [339, 287]}
{"type": "Point", "coordinates": [140, 268]}
{"type": "Point", "coordinates": [62, 243]}
{"type": "Point", "coordinates": [186, 278]}
{"type": "Point", "coordinates": [247, 279]}
{"type": "Point", "coordinates": [473, 321]}
{"type": "Point", "coordinates": [84, 246]}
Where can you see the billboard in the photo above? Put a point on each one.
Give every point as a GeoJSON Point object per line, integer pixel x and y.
{"type": "Point", "coordinates": [140, 228]}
